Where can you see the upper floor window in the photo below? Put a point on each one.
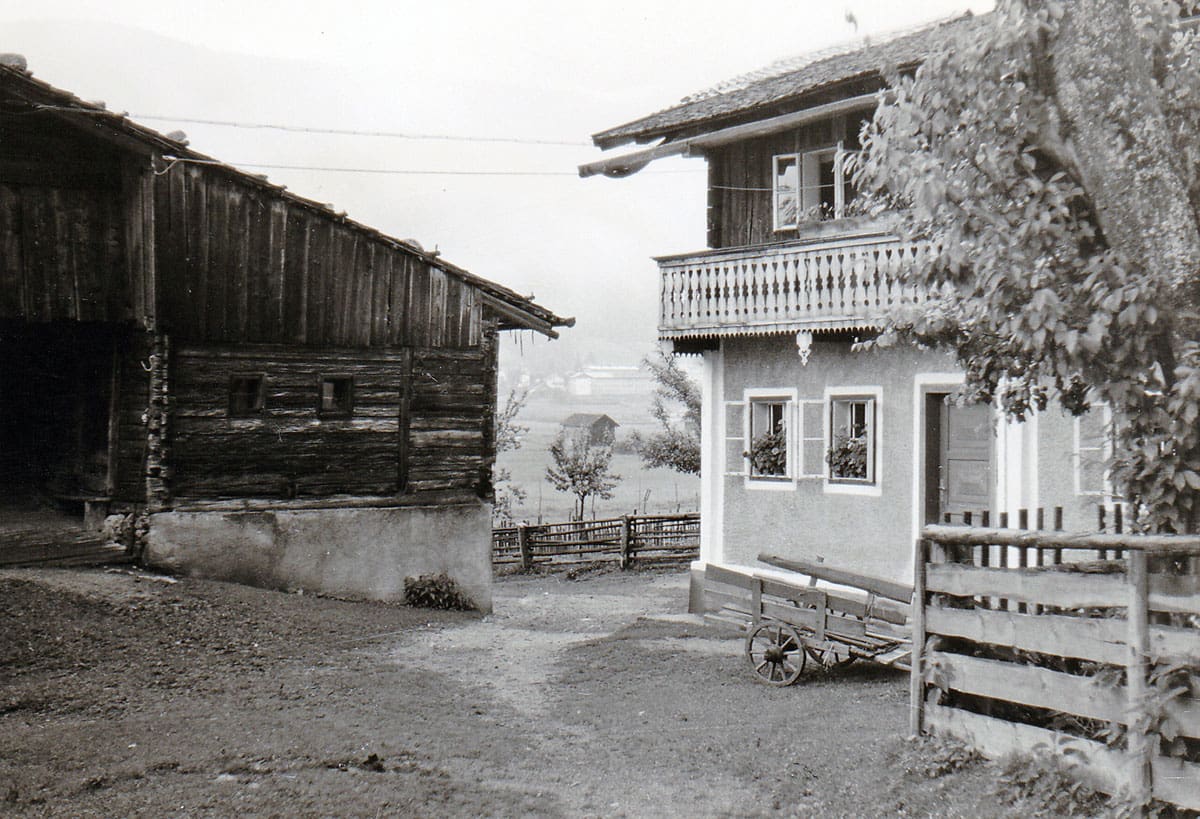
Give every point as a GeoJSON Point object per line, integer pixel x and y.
{"type": "Point", "coordinates": [811, 187]}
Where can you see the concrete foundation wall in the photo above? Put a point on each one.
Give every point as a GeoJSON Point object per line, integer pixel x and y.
{"type": "Point", "coordinates": [352, 552]}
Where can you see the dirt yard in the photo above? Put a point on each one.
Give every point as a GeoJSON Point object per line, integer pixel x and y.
{"type": "Point", "coordinates": [123, 696]}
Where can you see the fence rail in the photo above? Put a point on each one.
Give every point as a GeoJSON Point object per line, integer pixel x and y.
{"type": "Point", "coordinates": [1077, 643]}
{"type": "Point", "coordinates": [627, 539]}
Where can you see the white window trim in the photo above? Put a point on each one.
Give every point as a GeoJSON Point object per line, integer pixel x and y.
{"type": "Point", "coordinates": [1105, 450]}
{"type": "Point", "coordinates": [833, 486]}
{"type": "Point", "coordinates": [839, 184]}
{"type": "Point", "coordinates": [760, 483]}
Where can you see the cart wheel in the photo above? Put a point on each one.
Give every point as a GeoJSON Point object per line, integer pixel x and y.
{"type": "Point", "coordinates": [776, 653]}
{"type": "Point", "coordinates": [829, 654]}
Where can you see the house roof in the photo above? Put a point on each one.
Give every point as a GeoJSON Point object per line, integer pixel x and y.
{"type": "Point", "coordinates": [586, 419]}
{"type": "Point", "coordinates": [515, 310]}
{"type": "Point", "coordinates": [784, 84]}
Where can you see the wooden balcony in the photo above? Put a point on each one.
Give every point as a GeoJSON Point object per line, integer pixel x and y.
{"type": "Point", "coordinates": [843, 284]}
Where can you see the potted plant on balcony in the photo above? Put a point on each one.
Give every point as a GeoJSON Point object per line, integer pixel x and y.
{"type": "Point", "coordinates": [768, 452]}
{"type": "Point", "coordinates": [847, 457]}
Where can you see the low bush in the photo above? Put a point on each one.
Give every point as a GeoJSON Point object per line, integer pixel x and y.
{"type": "Point", "coordinates": [436, 591]}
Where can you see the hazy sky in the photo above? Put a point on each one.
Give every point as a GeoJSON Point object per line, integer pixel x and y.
{"type": "Point", "coordinates": [534, 71]}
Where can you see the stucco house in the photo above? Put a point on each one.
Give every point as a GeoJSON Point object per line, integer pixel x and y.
{"type": "Point", "coordinates": [809, 446]}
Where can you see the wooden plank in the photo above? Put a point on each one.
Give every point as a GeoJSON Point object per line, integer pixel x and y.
{"type": "Point", "coordinates": [1140, 748]}
{"type": "Point", "coordinates": [1100, 640]}
{"type": "Point", "coordinates": [980, 536]}
{"type": "Point", "coordinates": [1026, 685]}
{"type": "Point", "coordinates": [719, 574]}
{"type": "Point", "coordinates": [1175, 593]}
{"type": "Point", "coordinates": [714, 600]}
{"type": "Point", "coordinates": [1176, 781]}
{"type": "Point", "coordinates": [1099, 767]}
{"type": "Point", "coordinates": [1174, 644]}
{"type": "Point", "coordinates": [821, 571]}
{"type": "Point", "coordinates": [834, 625]}
{"type": "Point", "coordinates": [1061, 589]}
{"type": "Point", "coordinates": [916, 678]}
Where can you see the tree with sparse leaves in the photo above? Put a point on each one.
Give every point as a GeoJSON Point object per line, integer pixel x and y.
{"type": "Point", "coordinates": [676, 445]}
{"type": "Point", "coordinates": [508, 437]}
{"type": "Point", "coordinates": [1050, 156]}
{"type": "Point", "coordinates": [581, 468]}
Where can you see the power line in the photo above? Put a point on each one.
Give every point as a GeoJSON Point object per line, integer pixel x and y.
{"type": "Point", "coordinates": [300, 129]}
{"type": "Point", "coordinates": [414, 172]}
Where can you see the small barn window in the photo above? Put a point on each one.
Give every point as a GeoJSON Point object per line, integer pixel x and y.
{"type": "Point", "coordinates": [247, 395]}
{"type": "Point", "coordinates": [336, 395]}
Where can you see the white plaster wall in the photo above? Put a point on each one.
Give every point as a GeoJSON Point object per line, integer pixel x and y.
{"type": "Point", "coordinates": [359, 552]}
{"type": "Point", "coordinates": [867, 533]}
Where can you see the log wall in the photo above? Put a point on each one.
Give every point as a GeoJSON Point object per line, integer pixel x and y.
{"type": "Point", "coordinates": [417, 423]}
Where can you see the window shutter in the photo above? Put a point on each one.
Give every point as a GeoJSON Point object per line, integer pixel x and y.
{"type": "Point", "coordinates": [735, 438]}
{"type": "Point", "coordinates": [811, 435]}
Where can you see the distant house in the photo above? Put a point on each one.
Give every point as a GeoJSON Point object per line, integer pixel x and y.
{"type": "Point", "coordinates": [601, 430]}
{"type": "Point", "coordinates": [603, 382]}
{"type": "Point", "coordinates": [278, 394]}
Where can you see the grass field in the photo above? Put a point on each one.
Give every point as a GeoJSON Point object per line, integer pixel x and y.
{"type": "Point", "coordinates": [655, 491]}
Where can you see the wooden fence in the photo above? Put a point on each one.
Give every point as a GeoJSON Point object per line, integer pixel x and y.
{"type": "Point", "coordinates": [627, 539]}
{"type": "Point", "coordinates": [1084, 646]}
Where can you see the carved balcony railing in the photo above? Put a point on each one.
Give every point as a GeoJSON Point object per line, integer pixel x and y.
{"type": "Point", "coordinates": [847, 284]}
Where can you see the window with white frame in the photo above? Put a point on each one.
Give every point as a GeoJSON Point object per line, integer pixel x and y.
{"type": "Point", "coordinates": [811, 186]}
{"type": "Point", "coordinates": [769, 452]}
{"type": "Point", "coordinates": [852, 455]}
{"type": "Point", "coordinates": [1094, 452]}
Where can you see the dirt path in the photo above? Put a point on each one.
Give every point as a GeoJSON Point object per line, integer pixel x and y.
{"type": "Point", "coordinates": [126, 696]}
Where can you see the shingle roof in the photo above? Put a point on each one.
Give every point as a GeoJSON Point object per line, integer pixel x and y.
{"type": "Point", "coordinates": [789, 80]}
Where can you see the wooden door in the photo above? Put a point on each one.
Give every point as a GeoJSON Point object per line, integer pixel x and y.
{"type": "Point", "coordinates": [966, 458]}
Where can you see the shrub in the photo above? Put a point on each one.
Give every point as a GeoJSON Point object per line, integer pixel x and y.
{"type": "Point", "coordinates": [848, 457]}
{"type": "Point", "coordinates": [768, 452]}
{"type": "Point", "coordinates": [436, 591]}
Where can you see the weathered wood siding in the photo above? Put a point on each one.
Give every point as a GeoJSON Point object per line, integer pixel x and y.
{"type": "Point", "coordinates": [413, 432]}
{"type": "Point", "coordinates": [449, 443]}
{"type": "Point", "coordinates": [239, 264]}
{"type": "Point", "coordinates": [133, 396]}
{"type": "Point", "coordinates": [740, 207]}
{"type": "Point", "coordinates": [289, 450]}
{"type": "Point", "coordinates": [62, 254]}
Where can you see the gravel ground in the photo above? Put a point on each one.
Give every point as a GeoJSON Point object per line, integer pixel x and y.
{"type": "Point", "coordinates": [126, 695]}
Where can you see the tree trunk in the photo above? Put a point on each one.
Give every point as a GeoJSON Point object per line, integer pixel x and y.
{"type": "Point", "coordinates": [1111, 113]}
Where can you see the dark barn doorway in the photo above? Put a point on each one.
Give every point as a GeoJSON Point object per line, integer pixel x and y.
{"type": "Point", "coordinates": [57, 383]}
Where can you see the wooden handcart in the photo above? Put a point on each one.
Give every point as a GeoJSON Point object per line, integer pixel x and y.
{"type": "Point", "coordinates": [791, 623]}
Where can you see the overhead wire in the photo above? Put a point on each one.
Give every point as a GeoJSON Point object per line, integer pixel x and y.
{"type": "Point", "coordinates": [302, 129]}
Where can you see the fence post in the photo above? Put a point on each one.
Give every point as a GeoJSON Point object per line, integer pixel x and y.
{"type": "Point", "coordinates": [1139, 746]}
{"type": "Point", "coordinates": [523, 545]}
{"type": "Point", "coordinates": [625, 540]}
{"type": "Point", "coordinates": [916, 681]}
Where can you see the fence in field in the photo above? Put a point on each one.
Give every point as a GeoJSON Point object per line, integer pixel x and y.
{"type": "Point", "coordinates": [1082, 645]}
{"type": "Point", "coordinates": [627, 539]}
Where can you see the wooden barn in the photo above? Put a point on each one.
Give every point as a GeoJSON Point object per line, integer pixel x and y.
{"type": "Point", "coordinates": [268, 391]}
